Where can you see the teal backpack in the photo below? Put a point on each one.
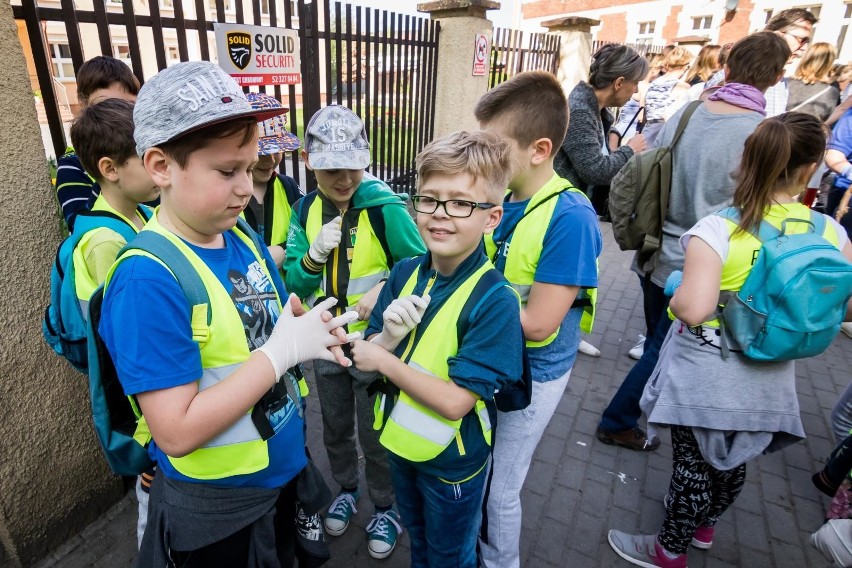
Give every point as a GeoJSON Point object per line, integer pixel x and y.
{"type": "Point", "coordinates": [116, 415]}
{"type": "Point", "coordinates": [794, 299]}
{"type": "Point", "coordinates": [64, 324]}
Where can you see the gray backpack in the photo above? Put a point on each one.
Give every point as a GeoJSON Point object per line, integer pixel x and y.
{"type": "Point", "coordinates": [639, 196]}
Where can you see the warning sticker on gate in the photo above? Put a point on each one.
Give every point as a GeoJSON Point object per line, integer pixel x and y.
{"type": "Point", "coordinates": [258, 55]}
{"type": "Point", "coordinates": [480, 55]}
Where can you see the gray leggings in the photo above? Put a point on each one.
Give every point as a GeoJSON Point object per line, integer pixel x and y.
{"type": "Point", "coordinates": [841, 415]}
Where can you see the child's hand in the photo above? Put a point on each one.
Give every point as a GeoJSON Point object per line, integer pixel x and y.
{"type": "Point", "coordinates": [368, 356]}
{"type": "Point", "coordinates": [365, 305]}
{"type": "Point", "coordinates": [327, 240]}
{"type": "Point", "coordinates": [296, 339]}
{"type": "Point", "coordinates": [400, 317]}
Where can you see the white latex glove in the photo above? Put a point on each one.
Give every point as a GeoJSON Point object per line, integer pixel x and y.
{"type": "Point", "coordinates": [296, 339]}
{"type": "Point", "coordinates": [327, 240]}
{"type": "Point", "coordinates": [400, 317]}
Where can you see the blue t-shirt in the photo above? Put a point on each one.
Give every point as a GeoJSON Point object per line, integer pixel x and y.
{"type": "Point", "coordinates": [145, 325]}
{"type": "Point", "coordinates": [569, 255]}
{"type": "Point", "coordinates": [489, 355]}
{"type": "Point", "coordinates": [841, 140]}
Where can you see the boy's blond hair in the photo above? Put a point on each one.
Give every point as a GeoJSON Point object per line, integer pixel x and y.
{"type": "Point", "coordinates": [534, 104]}
{"type": "Point", "coordinates": [483, 155]}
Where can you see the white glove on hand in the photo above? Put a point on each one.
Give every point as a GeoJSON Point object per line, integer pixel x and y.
{"type": "Point", "coordinates": [400, 317]}
{"type": "Point", "coordinates": [327, 240]}
{"type": "Point", "coordinates": [298, 339]}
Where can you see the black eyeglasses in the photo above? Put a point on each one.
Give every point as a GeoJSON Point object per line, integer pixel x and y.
{"type": "Point", "coordinates": [458, 208]}
{"type": "Point", "coordinates": [803, 40]}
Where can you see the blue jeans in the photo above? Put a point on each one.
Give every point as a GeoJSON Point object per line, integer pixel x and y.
{"type": "Point", "coordinates": [623, 411]}
{"type": "Point", "coordinates": [442, 518]}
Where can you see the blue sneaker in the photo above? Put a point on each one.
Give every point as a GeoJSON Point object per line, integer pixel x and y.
{"type": "Point", "coordinates": [340, 513]}
{"type": "Point", "coordinates": [383, 530]}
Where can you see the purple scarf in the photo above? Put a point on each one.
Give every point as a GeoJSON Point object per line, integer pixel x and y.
{"type": "Point", "coordinates": [743, 96]}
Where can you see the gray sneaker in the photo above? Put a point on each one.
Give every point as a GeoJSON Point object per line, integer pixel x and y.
{"type": "Point", "coordinates": [643, 550]}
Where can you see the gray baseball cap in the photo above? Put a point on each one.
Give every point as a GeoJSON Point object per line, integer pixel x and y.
{"type": "Point", "coordinates": [335, 139]}
{"type": "Point", "coordinates": [186, 97]}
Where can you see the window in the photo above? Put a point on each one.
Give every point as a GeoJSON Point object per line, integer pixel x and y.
{"type": "Point", "coordinates": [702, 22]}
{"type": "Point", "coordinates": [815, 10]}
{"type": "Point", "coordinates": [112, 2]}
{"type": "Point", "coordinates": [768, 16]}
{"type": "Point", "coordinates": [646, 28]}
{"type": "Point", "coordinates": [848, 13]}
{"type": "Point", "coordinates": [121, 52]}
{"type": "Point", "coordinates": [63, 66]}
{"type": "Point", "coordinates": [264, 7]}
{"type": "Point", "coordinates": [167, 4]}
{"type": "Point", "coordinates": [172, 55]}
{"type": "Point", "coordinates": [231, 6]}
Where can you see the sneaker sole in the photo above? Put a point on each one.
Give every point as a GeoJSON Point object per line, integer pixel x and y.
{"type": "Point", "coordinates": [624, 555]}
{"type": "Point", "coordinates": [380, 555]}
{"type": "Point", "coordinates": [634, 356]}
{"type": "Point", "coordinates": [333, 532]}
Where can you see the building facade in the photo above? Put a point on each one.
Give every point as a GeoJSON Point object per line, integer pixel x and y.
{"type": "Point", "coordinates": [661, 22]}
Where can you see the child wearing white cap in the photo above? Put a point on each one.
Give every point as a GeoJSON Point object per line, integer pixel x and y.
{"type": "Point", "coordinates": [212, 379]}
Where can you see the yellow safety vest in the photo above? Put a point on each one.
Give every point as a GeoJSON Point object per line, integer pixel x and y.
{"type": "Point", "coordinates": [280, 215]}
{"type": "Point", "coordinates": [413, 431]}
{"type": "Point", "coordinates": [239, 450]}
{"type": "Point", "coordinates": [525, 250]}
{"type": "Point", "coordinates": [369, 264]}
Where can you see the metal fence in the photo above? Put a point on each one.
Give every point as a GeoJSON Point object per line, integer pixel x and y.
{"type": "Point", "coordinates": [512, 52]}
{"type": "Point", "coordinates": [644, 49]}
{"type": "Point", "coordinates": [381, 64]}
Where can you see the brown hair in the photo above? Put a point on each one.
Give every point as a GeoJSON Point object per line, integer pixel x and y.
{"type": "Point", "coordinates": [181, 148]}
{"type": "Point", "coordinates": [104, 130]}
{"type": "Point", "coordinates": [706, 63]}
{"type": "Point", "coordinates": [723, 55]}
{"type": "Point", "coordinates": [816, 63]}
{"type": "Point", "coordinates": [787, 18]}
{"type": "Point", "coordinates": [483, 155]}
{"type": "Point", "coordinates": [758, 60]}
{"type": "Point", "coordinates": [534, 104]}
{"type": "Point", "coordinates": [677, 58]}
{"type": "Point", "coordinates": [778, 147]}
{"type": "Point", "coordinates": [102, 71]}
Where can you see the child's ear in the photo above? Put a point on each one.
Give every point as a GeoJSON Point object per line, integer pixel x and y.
{"type": "Point", "coordinates": [304, 155]}
{"type": "Point", "coordinates": [541, 149]}
{"type": "Point", "coordinates": [495, 215]}
{"type": "Point", "coordinates": [107, 169]}
{"type": "Point", "coordinates": [158, 166]}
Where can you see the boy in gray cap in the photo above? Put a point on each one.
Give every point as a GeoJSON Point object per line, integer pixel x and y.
{"type": "Point", "coordinates": [338, 247]}
{"type": "Point", "coordinates": [226, 429]}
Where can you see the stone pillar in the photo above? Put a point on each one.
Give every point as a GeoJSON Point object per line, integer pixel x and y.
{"type": "Point", "coordinates": [457, 89]}
{"type": "Point", "coordinates": [575, 49]}
{"type": "Point", "coordinates": [53, 478]}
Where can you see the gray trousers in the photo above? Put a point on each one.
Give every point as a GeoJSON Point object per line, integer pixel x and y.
{"type": "Point", "coordinates": [343, 396]}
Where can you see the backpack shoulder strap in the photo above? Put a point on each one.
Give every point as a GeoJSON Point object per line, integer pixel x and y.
{"type": "Point", "coordinates": [88, 220]}
{"type": "Point", "coordinates": [508, 235]}
{"type": "Point", "coordinates": [489, 281]}
{"type": "Point", "coordinates": [185, 274]}
{"type": "Point", "coordinates": [818, 221]}
{"type": "Point", "coordinates": [377, 222]}
{"type": "Point", "coordinates": [684, 119]}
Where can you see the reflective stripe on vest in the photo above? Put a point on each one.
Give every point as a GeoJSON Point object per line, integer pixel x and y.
{"type": "Point", "coordinates": [413, 431]}
{"type": "Point", "coordinates": [369, 265]}
{"type": "Point", "coordinates": [525, 251]}
{"type": "Point", "coordinates": [239, 450]}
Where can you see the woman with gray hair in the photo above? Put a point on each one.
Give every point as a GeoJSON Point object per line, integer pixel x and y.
{"type": "Point", "coordinates": [584, 158]}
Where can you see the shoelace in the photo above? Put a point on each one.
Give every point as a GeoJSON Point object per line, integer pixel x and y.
{"type": "Point", "coordinates": [379, 523]}
{"type": "Point", "coordinates": [340, 504]}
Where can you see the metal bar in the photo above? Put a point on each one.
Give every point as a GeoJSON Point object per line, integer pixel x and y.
{"type": "Point", "coordinates": [396, 128]}
{"type": "Point", "coordinates": [157, 32]}
{"type": "Point", "coordinates": [359, 64]}
{"type": "Point", "coordinates": [374, 100]}
{"type": "Point", "coordinates": [338, 53]}
{"type": "Point", "coordinates": [406, 158]}
{"type": "Point", "coordinates": [132, 38]}
{"type": "Point", "coordinates": [103, 28]}
{"type": "Point", "coordinates": [422, 70]}
{"type": "Point", "coordinates": [220, 11]}
{"type": "Point", "coordinates": [72, 32]}
{"type": "Point", "coordinates": [370, 72]}
{"type": "Point", "coordinates": [310, 66]}
{"type": "Point", "coordinates": [42, 60]}
{"type": "Point", "coordinates": [327, 37]}
{"type": "Point", "coordinates": [349, 55]}
{"type": "Point", "coordinates": [239, 9]}
{"type": "Point", "coordinates": [434, 81]}
{"type": "Point", "coordinates": [255, 11]}
{"type": "Point", "coordinates": [180, 30]}
{"type": "Point", "coordinates": [384, 107]}
{"type": "Point", "coordinates": [201, 26]}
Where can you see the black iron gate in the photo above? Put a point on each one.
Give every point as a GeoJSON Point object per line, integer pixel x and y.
{"type": "Point", "coordinates": [380, 64]}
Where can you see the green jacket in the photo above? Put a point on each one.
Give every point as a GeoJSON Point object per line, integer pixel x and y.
{"type": "Point", "coordinates": [403, 240]}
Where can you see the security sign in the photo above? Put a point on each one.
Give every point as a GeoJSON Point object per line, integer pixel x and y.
{"type": "Point", "coordinates": [480, 55]}
{"type": "Point", "coordinates": [258, 55]}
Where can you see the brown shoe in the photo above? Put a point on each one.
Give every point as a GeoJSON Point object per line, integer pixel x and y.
{"type": "Point", "coordinates": [633, 439]}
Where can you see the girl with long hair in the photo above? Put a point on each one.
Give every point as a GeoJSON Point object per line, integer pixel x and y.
{"type": "Point", "coordinates": [724, 412]}
{"type": "Point", "coordinates": [706, 64]}
{"type": "Point", "coordinates": [810, 89]}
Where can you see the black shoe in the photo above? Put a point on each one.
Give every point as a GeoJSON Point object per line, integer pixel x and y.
{"type": "Point", "coordinates": [632, 439]}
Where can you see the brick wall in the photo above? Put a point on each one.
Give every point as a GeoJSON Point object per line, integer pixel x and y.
{"type": "Point", "coordinates": [672, 28]}
{"type": "Point", "coordinates": [613, 28]}
{"type": "Point", "coordinates": [738, 26]}
{"type": "Point", "coordinates": [544, 8]}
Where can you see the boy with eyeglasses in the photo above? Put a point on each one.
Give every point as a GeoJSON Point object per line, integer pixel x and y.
{"type": "Point", "coordinates": [343, 240]}
{"type": "Point", "coordinates": [446, 333]}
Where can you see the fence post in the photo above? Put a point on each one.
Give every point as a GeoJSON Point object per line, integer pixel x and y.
{"type": "Point", "coordinates": [575, 48]}
{"type": "Point", "coordinates": [457, 89]}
